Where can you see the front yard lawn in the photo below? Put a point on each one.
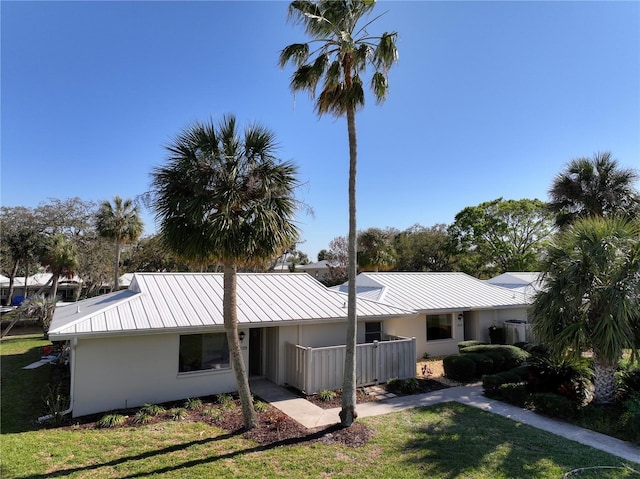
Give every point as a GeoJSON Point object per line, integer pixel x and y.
{"type": "Point", "coordinates": [446, 441]}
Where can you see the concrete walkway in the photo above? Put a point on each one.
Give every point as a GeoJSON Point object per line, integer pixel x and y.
{"type": "Point", "coordinates": [312, 416]}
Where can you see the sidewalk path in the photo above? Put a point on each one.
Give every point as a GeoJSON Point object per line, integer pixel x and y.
{"type": "Point", "coordinates": [312, 416]}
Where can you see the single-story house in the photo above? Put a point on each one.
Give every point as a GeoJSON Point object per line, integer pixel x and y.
{"type": "Point", "coordinates": [39, 282]}
{"type": "Point", "coordinates": [163, 339]}
{"type": "Point", "coordinates": [451, 307]}
{"type": "Point", "coordinates": [320, 270]}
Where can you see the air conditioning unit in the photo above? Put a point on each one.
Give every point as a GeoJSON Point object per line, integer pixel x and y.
{"type": "Point", "coordinates": [515, 331]}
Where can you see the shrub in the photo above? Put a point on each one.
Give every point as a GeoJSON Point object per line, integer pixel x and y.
{"type": "Point", "coordinates": [513, 393]}
{"type": "Point", "coordinates": [260, 406]}
{"type": "Point", "coordinates": [498, 361]}
{"type": "Point", "coordinates": [152, 409]}
{"type": "Point", "coordinates": [567, 378]}
{"type": "Point", "coordinates": [552, 404]}
{"type": "Point", "coordinates": [630, 419]}
{"type": "Point", "coordinates": [212, 412]}
{"type": "Point", "coordinates": [111, 420]}
{"type": "Point", "coordinates": [491, 383]}
{"type": "Point", "coordinates": [484, 364]}
{"type": "Point", "coordinates": [178, 413]}
{"type": "Point", "coordinates": [193, 404]}
{"type": "Point", "coordinates": [326, 395]}
{"type": "Point", "coordinates": [512, 356]}
{"type": "Point", "coordinates": [403, 386]}
{"type": "Point", "coordinates": [56, 404]}
{"type": "Point", "coordinates": [459, 368]}
{"type": "Point", "coordinates": [225, 400]}
{"type": "Point", "coordinates": [466, 344]}
{"type": "Point", "coordinates": [142, 417]}
{"type": "Point", "coordinates": [522, 371]}
{"type": "Point", "coordinates": [629, 383]}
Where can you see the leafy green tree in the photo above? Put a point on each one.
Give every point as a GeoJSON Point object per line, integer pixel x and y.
{"type": "Point", "coordinates": [151, 254]}
{"type": "Point", "coordinates": [344, 50]}
{"type": "Point", "coordinates": [375, 249]}
{"type": "Point", "coordinates": [592, 296]}
{"type": "Point", "coordinates": [224, 195]}
{"type": "Point", "coordinates": [595, 186]}
{"type": "Point", "coordinates": [121, 223]}
{"type": "Point", "coordinates": [40, 308]}
{"type": "Point", "coordinates": [61, 259]}
{"type": "Point", "coordinates": [21, 244]}
{"type": "Point", "coordinates": [500, 235]}
{"type": "Point", "coordinates": [419, 248]}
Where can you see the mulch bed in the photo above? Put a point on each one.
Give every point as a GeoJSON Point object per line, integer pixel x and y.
{"type": "Point", "coordinates": [274, 427]}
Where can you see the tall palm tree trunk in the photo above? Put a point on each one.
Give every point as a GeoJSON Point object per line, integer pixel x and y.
{"type": "Point", "coordinates": [237, 362]}
{"type": "Point", "coordinates": [348, 413]}
{"type": "Point", "coordinates": [604, 381]}
{"type": "Point", "coordinates": [12, 280]}
{"type": "Point", "coordinates": [116, 267]}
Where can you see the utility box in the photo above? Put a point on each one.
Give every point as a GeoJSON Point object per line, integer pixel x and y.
{"type": "Point", "coordinates": [516, 331]}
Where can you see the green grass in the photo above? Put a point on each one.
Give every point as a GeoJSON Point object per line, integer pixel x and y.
{"type": "Point", "coordinates": [447, 441]}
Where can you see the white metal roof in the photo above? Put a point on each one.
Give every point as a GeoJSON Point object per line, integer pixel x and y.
{"type": "Point", "coordinates": [435, 292]}
{"type": "Point", "coordinates": [156, 302]}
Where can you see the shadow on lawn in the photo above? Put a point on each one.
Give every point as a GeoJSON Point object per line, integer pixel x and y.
{"type": "Point", "coordinates": [188, 464]}
{"type": "Point", "coordinates": [456, 440]}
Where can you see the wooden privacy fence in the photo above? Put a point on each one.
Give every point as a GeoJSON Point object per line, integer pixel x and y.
{"type": "Point", "coordinates": [315, 369]}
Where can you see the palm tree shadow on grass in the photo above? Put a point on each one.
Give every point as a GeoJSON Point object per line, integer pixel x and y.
{"type": "Point", "coordinates": [313, 436]}
{"type": "Point", "coordinates": [456, 440]}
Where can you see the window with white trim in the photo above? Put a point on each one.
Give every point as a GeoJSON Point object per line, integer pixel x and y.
{"type": "Point", "coordinates": [439, 326]}
{"type": "Point", "coordinates": [200, 352]}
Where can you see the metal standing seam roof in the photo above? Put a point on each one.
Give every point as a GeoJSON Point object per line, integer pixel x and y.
{"type": "Point", "coordinates": [156, 302]}
{"type": "Point", "coordinates": [436, 291]}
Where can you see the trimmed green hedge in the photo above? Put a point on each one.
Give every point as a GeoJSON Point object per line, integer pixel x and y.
{"type": "Point", "coordinates": [512, 355]}
{"type": "Point", "coordinates": [459, 367]}
{"type": "Point", "coordinates": [465, 344]}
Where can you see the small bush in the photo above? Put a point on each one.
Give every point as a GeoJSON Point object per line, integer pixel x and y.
{"type": "Point", "coordinates": [630, 419]}
{"type": "Point", "coordinates": [225, 401]}
{"type": "Point", "coordinates": [403, 386]}
{"type": "Point", "coordinates": [260, 406]}
{"type": "Point", "coordinates": [513, 393]}
{"type": "Point", "coordinates": [178, 413]}
{"type": "Point", "coordinates": [629, 383]}
{"type": "Point", "coordinates": [552, 404]}
{"type": "Point", "coordinates": [491, 383]}
{"type": "Point", "coordinates": [142, 417]}
{"type": "Point", "coordinates": [522, 371]}
{"type": "Point", "coordinates": [56, 404]}
{"type": "Point", "coordinates": [111, 420]}
{"type": "Point", "coordinates": [459, 368]}
{"type": "Point", "coordinates": [513, 356]}
{"type": "Point", "coordinates": [466, 344]}
{"type": "Point", "coordinates": [484, 364]}
{"type": "Point", "coordinates": [193, 404]}
{"type": "Point", "coordinates": [326, 395]}
{"type": "Point", "coordinates": [152, 409]}
{"type": "Point", "coordinates": [212, 412]}
{"type": "Point", "coordinates": [567, 378]}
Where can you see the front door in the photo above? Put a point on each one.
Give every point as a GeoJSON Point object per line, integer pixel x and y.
{"type": "Point", "coordinates": [255, 352]}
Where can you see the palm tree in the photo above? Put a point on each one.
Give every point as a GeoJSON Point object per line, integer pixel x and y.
{"type": "Point", "coordinates": [61, 258]}
{"type": "Point", "coordinates": [225, 196]}
{"type": "Point", "coordinates": [592, 299]}
{"type": "Point", "coordinates": [121, 223]}
{"type": "Point", "coordinates": [594, 187]}
{"type": "Point", "coordinates": [375, 249]}
{"type": "Point", "coordinates": [344, 51]}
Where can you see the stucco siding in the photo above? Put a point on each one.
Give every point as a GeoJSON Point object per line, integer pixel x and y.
{"type": "Point", "coordinates": [123, 372]}
{"type": "Point", "coordinates": [416, 327]}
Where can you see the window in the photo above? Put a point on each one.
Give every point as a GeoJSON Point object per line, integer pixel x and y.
{"type": "Point", "coordinates": [439, 326]}
{"type": "Point", "coordinates": [200, 352]}
{"type": "Point", "coordinates": [372, 332]}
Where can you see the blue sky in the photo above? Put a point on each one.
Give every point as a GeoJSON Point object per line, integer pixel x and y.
{"type": "Point", "coordinates": [488, 100]}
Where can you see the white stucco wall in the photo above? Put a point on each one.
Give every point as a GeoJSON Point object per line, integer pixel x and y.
{"type": "Point", "coordinates": [416, 327]}
{"type": "Point", "coordinates": [496, 317]}
{"type": "Point", "coordinates": [122, 372]}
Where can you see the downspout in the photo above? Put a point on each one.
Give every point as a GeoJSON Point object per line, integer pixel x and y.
{"type": "Point", "coordinates": [72, 367]}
